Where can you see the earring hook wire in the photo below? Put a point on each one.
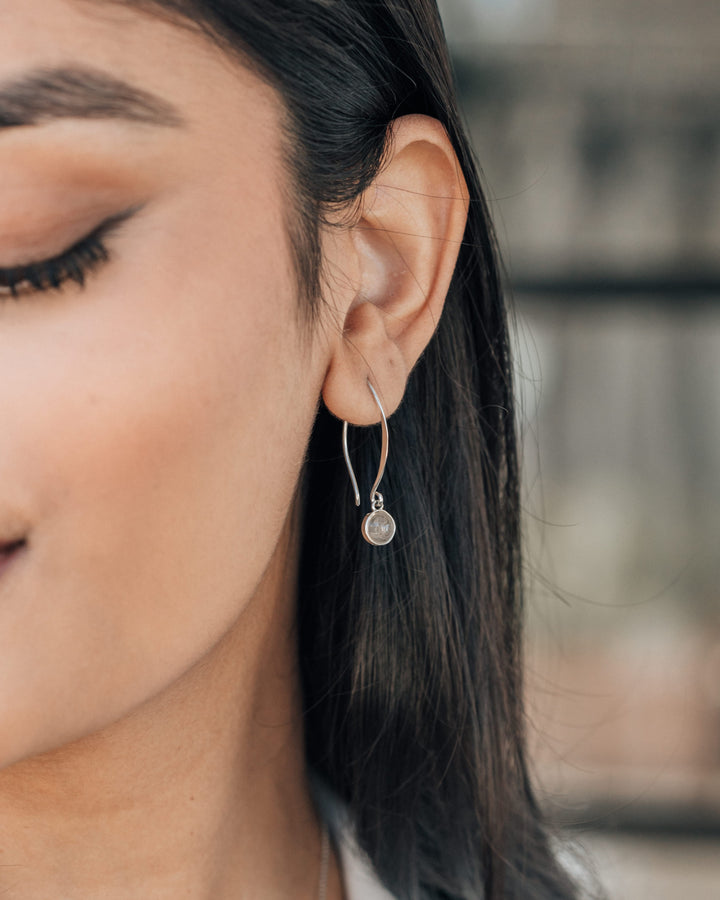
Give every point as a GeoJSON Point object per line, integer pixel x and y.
{"type": "Point", "coordinates": [383, 451]}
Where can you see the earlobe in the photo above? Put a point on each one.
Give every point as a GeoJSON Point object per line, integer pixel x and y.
{"type": "Point", "coordinates": [405, 244]}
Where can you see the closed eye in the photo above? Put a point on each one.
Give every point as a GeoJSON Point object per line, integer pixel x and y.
{"type": "Point", "coordinates": [74, 264]}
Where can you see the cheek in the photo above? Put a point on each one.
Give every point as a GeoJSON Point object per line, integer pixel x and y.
{"type": "Point", "coordinates": [155, 440]}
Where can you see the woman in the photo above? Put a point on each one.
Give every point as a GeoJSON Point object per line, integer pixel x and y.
{"type": "Point", "coordinates": [227, 228]}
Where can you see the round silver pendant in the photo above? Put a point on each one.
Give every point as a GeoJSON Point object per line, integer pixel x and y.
{"type": "Point", "coordinates": [378, 527]}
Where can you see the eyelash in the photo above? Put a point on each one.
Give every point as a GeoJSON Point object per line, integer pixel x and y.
{"type": "Point", "coordinates": [74, 264]}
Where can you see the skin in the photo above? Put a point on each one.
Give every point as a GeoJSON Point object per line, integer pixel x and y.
{"type": "Point", "coordinates": [153, 431]}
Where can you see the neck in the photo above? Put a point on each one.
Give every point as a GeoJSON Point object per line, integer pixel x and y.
{"type": "Point", "coordinates": [201, 793]}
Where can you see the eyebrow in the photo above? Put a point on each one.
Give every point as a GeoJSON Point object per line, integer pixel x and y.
{"type": "Point", "coordinates": [80, 92]}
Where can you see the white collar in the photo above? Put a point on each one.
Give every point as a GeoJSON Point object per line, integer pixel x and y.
{"type": "Point", "coordinates": [359, 878]}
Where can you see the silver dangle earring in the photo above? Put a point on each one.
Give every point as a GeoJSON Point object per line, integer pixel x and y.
{"type": "Point", "coordinates": [378, 526]}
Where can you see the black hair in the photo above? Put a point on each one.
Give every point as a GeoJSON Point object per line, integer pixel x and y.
{"type": "Point", "coordinates": [410, 654]}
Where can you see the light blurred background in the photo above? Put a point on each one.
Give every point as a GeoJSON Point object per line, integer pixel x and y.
{"type": "Point", "coordinates": [597, 126]}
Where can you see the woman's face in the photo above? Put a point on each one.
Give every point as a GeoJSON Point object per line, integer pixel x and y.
{"type": "Point", "coordinates": [153, 423]}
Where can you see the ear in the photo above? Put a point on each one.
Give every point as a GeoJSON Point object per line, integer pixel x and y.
{"type": "Point", "coordinates": [395, 261]}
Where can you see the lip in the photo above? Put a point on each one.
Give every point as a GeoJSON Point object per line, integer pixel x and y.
{"type": "Point", "coordinates": [9, 552]}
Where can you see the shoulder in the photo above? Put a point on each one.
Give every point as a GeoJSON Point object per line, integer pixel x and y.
{"type": "Point", "coordinates": [359, 878]}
